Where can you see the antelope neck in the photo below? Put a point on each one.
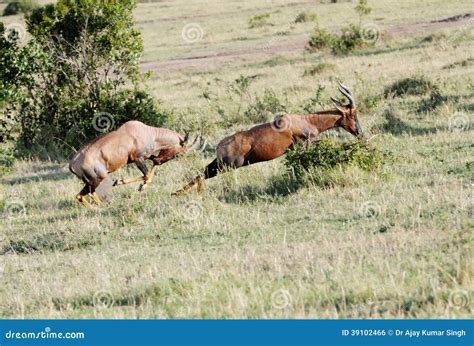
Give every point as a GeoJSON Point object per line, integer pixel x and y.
{"type": "Point", "coordinates": [324, 120]}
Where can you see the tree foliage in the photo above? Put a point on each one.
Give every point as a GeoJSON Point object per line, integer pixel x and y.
{"type": "Point", "coordinates": [82, 59]}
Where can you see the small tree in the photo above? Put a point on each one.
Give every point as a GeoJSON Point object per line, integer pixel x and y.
{"type": "Point", "coordinates": [83, 54]}
{"type": "Point", "coordinates": [362, 9]}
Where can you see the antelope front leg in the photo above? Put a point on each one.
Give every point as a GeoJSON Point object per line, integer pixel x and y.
{"type": "Point", "coordinates": [147, 179]}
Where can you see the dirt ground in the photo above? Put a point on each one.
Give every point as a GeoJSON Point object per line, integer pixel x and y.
{"type": "Point", "coordinates": [294, 45]}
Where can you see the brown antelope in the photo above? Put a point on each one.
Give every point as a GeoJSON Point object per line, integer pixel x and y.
{"type": "Point", "coordinates": [268, 141]}
{"type": "Point", "coordinates": [133, 142]}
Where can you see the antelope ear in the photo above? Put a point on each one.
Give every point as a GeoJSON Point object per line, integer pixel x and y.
{"type": "Point", "coordinates": [338, 105]}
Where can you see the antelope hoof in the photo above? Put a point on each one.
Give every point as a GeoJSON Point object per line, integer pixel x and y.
{"type": "Point", "coordinates": [179, 193]}
{"type": "Point", "coordinates": [82, 199]}
{"type": "Point", "coordinates": [115, 183]}
{"type": "Point", "coordinates": [142, 187]}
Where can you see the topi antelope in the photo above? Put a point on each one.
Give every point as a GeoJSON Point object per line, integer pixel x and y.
{"type": "Point", "coordinates": [132, 142]}
{"type": "Point", "coordinates": [268, 141]}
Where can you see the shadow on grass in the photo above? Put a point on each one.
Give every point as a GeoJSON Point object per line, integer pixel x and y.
{"type": "Point", "coordinates": [279, 186]}
{"type": "Point", "coordinates": [54, 241]}
{"type": "Point", "coordinates": [53, 175]}
{"type": "Point", "coordinates": [398, 127]}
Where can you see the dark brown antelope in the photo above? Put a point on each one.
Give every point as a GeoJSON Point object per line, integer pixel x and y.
{"type": "Point", "coordinates": [133, 142]}
{"type": "Point", "coordinates": [268, 141]}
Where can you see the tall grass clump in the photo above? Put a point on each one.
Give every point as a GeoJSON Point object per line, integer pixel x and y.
{"type": "Point", "coordinates": [259, 20]}
{"type": "Point", "coordinates": [435, 100]}
{"type": "Point", "coordinates": [415, 86]}
{"type": "Point", "coordinates": [304, 17]}
{"type": "Point", "coordinates": [320, 163]}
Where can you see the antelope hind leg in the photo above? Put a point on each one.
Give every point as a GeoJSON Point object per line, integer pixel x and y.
{"type": "Point", "coordinates": [200, 184]}
{"type": "Point", "coordinates": [182, 191]}
{"type": "Point", "coordinates": [96, 199]}
{"type": "Point", "coordinates": [127, 181]}
{"type": "Point", "coordinates": [82, 199]}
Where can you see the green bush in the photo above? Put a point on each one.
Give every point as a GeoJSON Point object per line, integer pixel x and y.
{"type": "Point", "coordinates": [7, 159]}
{"type": "Point", "coordinates": [317, 163]}
{"type": "Point", "coordinates": [350, 39]}
{"type": "Point", "coordinates": [320, 39]}
{"type": "Point", "coordinates": [417, 85]}
{"type": "Point", "coordinates": [259, 20]}
{"type": "Point", "coordinates": [264, 107]}
{"type": "Point", "coordinates": [21, 6]}
{"type": "Point", "coordinates": [83, 59]}
{"type": "Point", "coordinates": [304, 17]}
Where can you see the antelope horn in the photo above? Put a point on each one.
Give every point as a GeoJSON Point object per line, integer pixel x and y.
{"type": "Point", "coordinates": [185, 139]}
{"type": "Point", "coordinates": [195, 143]}
{"type": "Point", "coordinates": [203, 143]}
{"type": "Point", "coordinates": [347, 93]}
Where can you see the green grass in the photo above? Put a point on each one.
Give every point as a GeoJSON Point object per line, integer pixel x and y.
{"type": "Point", "coordinates": [390, 244]}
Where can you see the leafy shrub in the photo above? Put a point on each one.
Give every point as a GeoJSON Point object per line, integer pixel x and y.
{"type": "Point", "coordinates": [7, 159]}
{"type": "Point", "coordinates": [21, 6]}
{"type": "Point", "coordinates": [259, 20]}
{"type": "Point", "coordinates": [264, 107]}
{"type": "Point", "coordinates": [319, 68]}
{"type": "Point", "coordinates": [350, 39]}
{"type": "Point", "coordinates": [304, 17]}
{"type": "Point", "coordinates": [320, 39]}
{"type": "Point", "coordinates": [417, 85]}
{"type": "Point", "coordinates": [316, 163]}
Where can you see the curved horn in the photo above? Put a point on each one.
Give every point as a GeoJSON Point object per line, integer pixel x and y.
{"type": "Point", "coordinates": [347, 93]}
{"type": "Point", "coordinates": [185, 139]}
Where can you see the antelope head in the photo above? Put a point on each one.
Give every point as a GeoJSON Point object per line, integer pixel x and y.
{"type": "Point", "coordinates": [349, 121]}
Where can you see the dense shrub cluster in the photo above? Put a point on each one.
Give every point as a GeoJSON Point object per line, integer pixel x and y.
{"type": "Point", "coordinates": [350, 39]}
{"type": "Point", "coordinates": [316, 163]}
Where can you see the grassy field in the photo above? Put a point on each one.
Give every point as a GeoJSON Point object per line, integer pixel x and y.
{"type": "Point", "coordinates": [396, 244]}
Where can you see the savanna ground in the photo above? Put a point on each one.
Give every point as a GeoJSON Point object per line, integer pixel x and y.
{"type": "Point", "coordinates": [393, 244]}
